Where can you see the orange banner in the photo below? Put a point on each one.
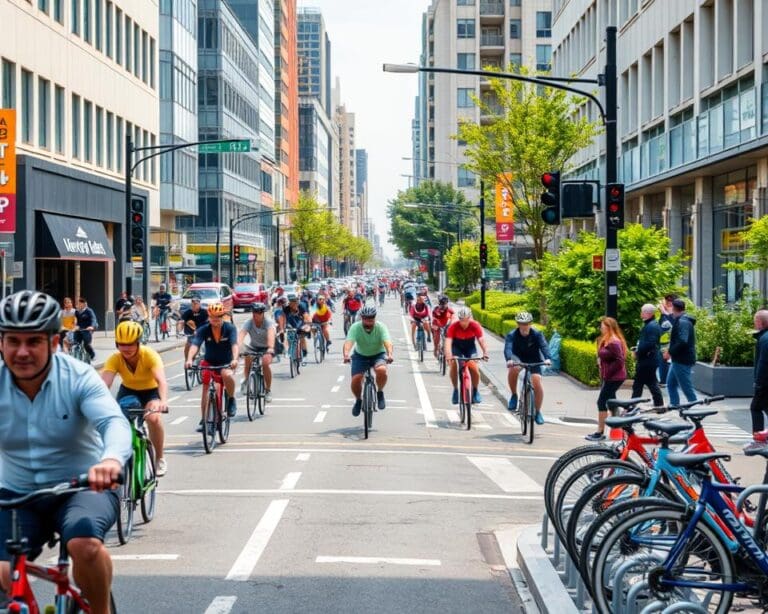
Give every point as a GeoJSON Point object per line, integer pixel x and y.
{"type": "Point", "coordinates": [7, 170]}
{"type": "Point", "coordinates": [504, 200]}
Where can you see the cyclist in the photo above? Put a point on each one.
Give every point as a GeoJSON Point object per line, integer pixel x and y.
{"type": "Point", "coordinates": [419, 313]}
{"type": "Point", "coordinates": [261, 332]}
{"type": "Point", "coordinates": [424, 291]}
{"type": "Point", "coordinates": [526, 344]}
{"type": "Point", "coordinates": [58, 421]}
{"type": "Point", "coordinates": [353, 302]}
{"type": "Point", "coordinates": [162, 303]}
{"type": "Point", "coordinates": [86, 324]}
{"type": "Point", "coordinates": [322, 316]}
{"type": "Point", "coordinates": [442, 316]}
{"type": "Point", "coordinates": [277, 294]}
{"type": "Point", "coordinates": [373, 348]}
{"type": "Point", "coordinates": [297, 316]}
{"type": "Point", "coordinates": [142, 383]}
{"type": "Point", "coordinates": [139, 311]}
{"type": "Point", "coordinates": [123, 306]}
{"type": "Point", "coordinates": [220, 339]}
{"type": "Point", "coordinates": [278, 315]}
{"type": "Point", "coordinates": [460, 343]}
{"type": "Point", "coordinates": [192, 319]}
{"type": "Point", "coordinates": [409, 295]}
{"type": "Point", "coordinates": [68, 323]}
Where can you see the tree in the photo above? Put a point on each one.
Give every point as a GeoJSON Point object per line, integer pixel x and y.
{"type": "Point", "coordinates": [411, 228]}
{"type": "Point", "coordinates": [463, 262]}
{"type": "Point", "coordinates": [534, 131]}
{"type": "Point", "coordinates": [306, 225]}
{"type": "Point", "coordinates": [755, 238]}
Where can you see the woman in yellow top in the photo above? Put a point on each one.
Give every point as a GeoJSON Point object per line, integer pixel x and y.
{"type": "Point", "coordinates": [68, 323]}
{"type": "Point", "coordinates": [143, 382]}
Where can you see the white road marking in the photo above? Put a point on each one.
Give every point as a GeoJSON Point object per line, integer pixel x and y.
{"type": "Point", "coordinates": [377, 560]}
{"type": "Point", "coordinates": [505, 475]}
{"type": "Point", "coordinates": [354, 493]}
{"type": "Point", "coordinates": [302, 456]}
{"type": "Point", "coordinates": [179, 420]}
{"type": "Point", "coordinates": [145, 557]}
{"type": "Point", "coordinates": [221, 605]}
{"type": "Point", "coordinates": [340, 379]}
{"type": "Point", "coordinates": [287, 399]}
{"type": "Point", "coordinates": [373, 451]}
{"type": "Point", "coordinates": [335, 389]}
{"type": "Point", "coordinates": [254, 548]}
{"type": "Point", "coordinates": [172, 399]}
{"type": "Point", "coordinates": [290, 480]}
{"type": "Point", "coordinates": [396, 401]}
{"type": "Point", "coordinates": [175, 376]}
{"type": "Point", "coordinates": [478, 421]}
{"type": "Point", "coordinates": [512, 419]}
{"type": "Point", "coordinates": [326, 406]}
{"type": "Point", "coordinates": [426, 404]}
{"type": "Point", "coordinates": [320, 416]}
{"type": "Point", "coordinates": [453, 415]}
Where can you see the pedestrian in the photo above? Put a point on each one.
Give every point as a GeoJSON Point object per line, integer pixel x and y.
{"type": "Point", "coordinates": [681, 353]}
{"type": "Point", "coordinates": [611, 358]}
{"type": "Point", "coordinates": [86, 324]}
{"type": "Point", "coordinates": [665, 321]}
{"type": "Point", "coordinates": [123, 306]}
{"type": "Point", "coordinates": [647, 356]}
{"type": "Point", "coordinates": [759, 404]}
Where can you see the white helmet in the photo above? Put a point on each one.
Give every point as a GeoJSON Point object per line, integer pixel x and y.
{"type": "Point", "coordinates": [523, 318]}
{"type": "Point", "coordinates": [464, 312]}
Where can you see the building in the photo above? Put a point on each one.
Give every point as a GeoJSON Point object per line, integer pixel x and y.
{"type": "Point", "coordinates": [361, 187]}
{"type": "Point", "coordinates": [347, 181]}
{"type": "Point", "coordinates": [692, 123]}
{"type": "Point", "coordinates": [81, 77]}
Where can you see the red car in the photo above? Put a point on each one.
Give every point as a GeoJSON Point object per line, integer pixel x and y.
{"type": "Point", "coordinates": [245, 295]}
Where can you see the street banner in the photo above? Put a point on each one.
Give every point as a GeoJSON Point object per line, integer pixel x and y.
{"type": "Point", "coordinates": [505, 227]}
{"type": "Point", "coordinates": [7, 170]}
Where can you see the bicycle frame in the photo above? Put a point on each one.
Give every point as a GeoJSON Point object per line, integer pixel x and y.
{"type": "Point", "coordinates": [21, 589]}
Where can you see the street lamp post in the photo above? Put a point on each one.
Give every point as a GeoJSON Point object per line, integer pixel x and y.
{"type": "Point", "coordinates": [250, 216]}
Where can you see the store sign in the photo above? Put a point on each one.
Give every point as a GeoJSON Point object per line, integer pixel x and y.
{"type": "Point", "coordinates": [7, 170]}
{"type": "Point", "coordinates": [81, 245]}
{"type": "Point", "coordinates": [505, 228]}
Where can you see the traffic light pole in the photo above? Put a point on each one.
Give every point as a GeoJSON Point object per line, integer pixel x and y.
{"type": "Point", "coordinates": [611, 152]}
{"type": "Point", "coordinates": [482, 242]}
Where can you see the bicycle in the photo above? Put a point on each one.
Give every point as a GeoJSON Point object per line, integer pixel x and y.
{"type": "Point", "coordinates": [146, 332]}
{"type": "Point", "coordinates": [441, 361]}
{"type": "Point", "coordinates": [216, 420]}
{"type": "Point", "coordinates": [381, 298]}
{"type": "Point", "coordinates": [465, 390]}
{"type": "Point", "coordinates": [295, 355]}
{"type": "Point", "coordinates": [527, 398]}
{"type": "Point", "coordinates": [161, 325]}
{"type": "Point", "coordinates": [318, 343]}
{"type": "Point", "coordinates": [256, 390]}
{"type": "Point", "coordinates": [349, 318]}
{"type": "Point", "coordinates": [68, 598]}
{"type": "Point", "coordinates": [369, 401]}
{"type": "Point", "coordinates": [192, 376]}
{"type": "Point", "coordinates": [421, 340]}
{"type": "Point", "coordinates": [139, 477]}
{"type": "Point", "coordinates": [77, 350]}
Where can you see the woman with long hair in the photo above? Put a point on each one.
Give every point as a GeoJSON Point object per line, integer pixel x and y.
{"type": "Point", "coordinates": [611, 358]}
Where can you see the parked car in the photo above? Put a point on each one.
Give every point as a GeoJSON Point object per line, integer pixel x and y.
{"type": "Point", "coordinates": [247, 294]}
{"type": "Point", "coordinates": [209, 292]}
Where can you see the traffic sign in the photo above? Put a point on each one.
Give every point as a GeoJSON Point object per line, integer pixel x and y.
{"type": "Point", "coordinates": [597, 262]}
{"type": "Point", "coordinates": [612, 260]}
{"type": "Point", "coordinates": [494, 274]}
{"type": "Point", "coordinates": [234, 146]}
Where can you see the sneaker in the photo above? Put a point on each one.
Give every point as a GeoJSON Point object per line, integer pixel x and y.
{"type": "Point", "coordinates": [476, 398]}
{"type": "Point", "coordinates": [754, 445]}
{"type": "Point", "coordinates": [162, 467]}
{"type": "Point", "coordinates": [512, 405]}
{"type": "Point", "coordinates": [382, 404]}
{"type": "Point", "coordinates": [268, 396]}
{"type": "Point", "coordinates": [357, 407]}
{"type": "Point", "coordinates": [760, 436]}
{"type": "Point", "coordinates": [455, 397]}
{"type": "Point", "coordinates": [327, 345]}
{"type": "Point", "coordinates": [539, 418]}
{"type": "Point", "coordinates": [596, 436]}
{"type": "Point", "coordinates": [232, 408]}
{"type": "Point", "coordinates": [199, 428]}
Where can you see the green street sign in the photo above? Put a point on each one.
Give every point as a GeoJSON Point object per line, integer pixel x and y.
{"type": "Point", "coordinates": [301, 257]}
{"type": "Point", "coordinates": [236, 146]}
{"type": "Point", "coordinates": [494, 274]}
{"type": "Point", "coordinates": [424, 253]}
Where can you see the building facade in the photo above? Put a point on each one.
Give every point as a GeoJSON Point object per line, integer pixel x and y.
{"type": "Point", "coordinates": [81, 77]}
{"type": "Point", "coordinates": [361, 187]}
{"type": "Point", "coordinates": [345, 125]}
{"type": "Point", "coordinates": [692, 123]}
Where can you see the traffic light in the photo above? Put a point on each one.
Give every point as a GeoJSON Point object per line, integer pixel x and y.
{"type": "Point", "coordinates": [138, 227]}
{"type": "Point", "coordinates": [551, 198]}
{"type": "Point", "coordinates": [577, 200]}
{"type": "Point", "coordinates": [483, 255]}
{"type": "Point", "coordinates": [236, 252]}
{"type": "Point", "coordinates": [614, 204]}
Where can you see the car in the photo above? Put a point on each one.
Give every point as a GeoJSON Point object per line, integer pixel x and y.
{"type": "Point", "coordinates": [246, 294]}
{"type": "Point", "coordinates": [209, 292]}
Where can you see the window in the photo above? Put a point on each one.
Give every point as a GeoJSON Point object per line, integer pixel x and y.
{"type": "Point", "coordinates": [43, 112]}
{"type": "Point", "coordinates": [58, 10]}
{"type": "Point", "coordinates": [464, 97]}
{"type": "Point", "coordinates": [75, 126]}
{"type": "Point", "coordinates": [43, 6]}
{"type": "Point", "coordinates": [27, 100]}
{"type": "Point", "coordinates": [97, 17]}
{"type": "Point", "coordinates": [119, 144]}
{"type": "Point", "coordinates": [544, 24]}
{"type": "Point", "coordinates": [515, 26]}
{"type": "Point", "coordinates": [99, 136]}
{"type": "Point", "coordinates": [514, 2]}
{"type": "Point", "coordinates": [543, 57]}
{"type": "Point", "coordinates": [136, 49]}
{"type": "Point", "coordinates": [59, 119]}
{"type": "Point", "coordinates": [108, 28]}
{"type": "Point", "coordinates": [465, 2]}
{"type": "Point", "coordinates": [110, 139]}
{"type": "Point", "coordinates": [466, 178]}
{"type": "Point", "coordinates": [152, 63]}
{"type": "Point", "coordinates": [466, 61]}
{"type": "Point", "coordinates": [516, 59]}
{"type": "Point", "coordinates": [9, 84]}
{"type": "Point", "coordinates": [465, 28]}
{"type": "Point", "coordinates": [128, 34]}
{"type": "Point", "coordinates": [87, 130]}
{"type": "Point", "coordinates": [144, 54]}
{"type": "Point", "coordinates": [87, 21]}
{"type": "Point", "coordinates": [118, 36]}
{"type": "Point", "coordinates": [76, 17]}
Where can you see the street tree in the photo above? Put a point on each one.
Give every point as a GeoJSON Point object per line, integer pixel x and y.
{"type": "Point", "coordinates": [534, 130]}
{"type": "Point", "coordinates": [306, 225]}
{"type": "Point", "coordinates": [463, 262]}
{"type": "Point", "coordinates": [755, 240]}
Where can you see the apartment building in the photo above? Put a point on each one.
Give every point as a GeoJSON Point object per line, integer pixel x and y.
{"type": "Point", "coordinates": [692, 123]}
{"type": "Point", "coordinates": [361, 185]}
{"type": "Point", "coordinates": [81, 76]}
{"type": "Point", "coordinates": [345, 126]}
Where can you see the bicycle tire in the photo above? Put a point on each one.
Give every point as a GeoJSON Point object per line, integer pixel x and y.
{"type": "Point", "coordinates": [366, 417]}
{"type": "Point", "coordinates": [292, 361]}
{"type": "Point", "coordinates": [251, 396]}
{"type": "Point", "coordinates": [223, 422]}
{"type": "Point", "coordinates": [149, 486]}
{"type": "Point", "coordinates": [157, 330]}
{"type": "Point", "coordinates": [442, 362]}
{"type": "Point", "coordinates": [209, 424]}
{"type": "Point", "coordinates": [189, 378]}
{"type": "Point", "coordinates": [420, 344]}
{"type": "Point", "coordinates": [316, 347]}
{"type": "Point", "coordinates": [262, 391]}
{"type": "Point", "coordinates": [347, 324]}
{"type": "Point", "coordinates": [462, 406]}
{"type": "Point", "coordinates": [522, 404]}
{"type": "Point", "coordinates": [126, 505]}
{"type": "Point", "coordinates": [145, 333]}
{"type": "Point", "coordinates": [531, 414]}
{"type": "Point", "coordinates": [468, 396]}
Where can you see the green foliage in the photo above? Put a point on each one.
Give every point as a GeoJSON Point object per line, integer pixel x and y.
{"type": "Point", "coordinates": [728, 327]}
{"type": "Point", "coordinates": [453, 293]}
{"type": "Point", "coordinates": [463, 262]}
{"type": "Point", "coordinates": [756, 243]}
{"type": "Point", "coordinates": [574, 293]}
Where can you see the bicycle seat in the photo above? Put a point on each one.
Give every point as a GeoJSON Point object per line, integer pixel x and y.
{"type": "Point", "coordinates": [668, 428]}
{"type": "Point", "coordinates": [697, 414]}
{"type": "Point", "coordinates": [757, 452]}
{"type": "Point", "coordinates": [695, 461]}
{"type": "Point", "coordinates": [626, 403]}
{"type": "Point", "coordinates": [622, 421]}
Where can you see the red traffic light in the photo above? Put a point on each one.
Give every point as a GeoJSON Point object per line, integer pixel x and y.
{"type": "Point", "coordinates": [550, 180]}
{"type": "Point", "coordinates": [614, 207]}
{"type": "Point", "coordinates": [615, 192]}
{"type": "Point", "coordinates": [137, 218]}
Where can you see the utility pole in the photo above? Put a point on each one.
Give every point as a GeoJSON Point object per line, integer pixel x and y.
{"type": "Point", "coordinates": [482, 242]}
{"type": "Point", "coordinates": [611, 151]}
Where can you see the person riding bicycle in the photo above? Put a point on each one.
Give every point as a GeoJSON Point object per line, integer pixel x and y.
{"type": "Point", "coordinates": [192, 319]}
{"type": "Point", "coordinates": [220, 339]}
{"type": "Point", "coordinates": [162, 302]}
{"type": "Point", "coordinates": [352, 303]}
{"type": "Point", "coordinates": [424, 291]}
{"type": "Point", "coordinates": [442, 315]}
{"type": "Point", "coordinates": [373, 349]}
{"type": "Point", "coordinates": [123, 306]}
{"type": "Point", "coordinates": [460, 343]}
{"type": "Point", "coordinates": [409, 294]}
{"type": "Point", "coordinates": [139, 311]}
{"type": "Point", "coordinates": [68, 323]}
{"type": "Point", "coordinates": [143, 383]}
{"type": "Point", "coordinates": [86, 324]}
{"type": "Point", "coordinates": [419, 314]}
{"type": "Point", "coordinates": [297, 316]}
{"type": "Point", "coordinates": [526, 344]}
{"type": "Point", "coordinates": [57, 421]}
{"type": "Point", "coordinates": [322, 316]}
{"type": "Point", "coordinates": [261, 333]}
{"type": "Point", "coordinates": [278, 315]}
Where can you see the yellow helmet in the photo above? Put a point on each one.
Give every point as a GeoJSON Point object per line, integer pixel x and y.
{"type": "Point", "coordinates": [216, 309]}
{"type": "Point", "coordinates": [128, 332]}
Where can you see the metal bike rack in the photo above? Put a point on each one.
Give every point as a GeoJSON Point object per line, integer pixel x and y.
{"type": "Point", "coordinates": [618, 578]}
{"type": "Point", "coordinates": [685, 606]}
{"type": "Point", "coordinates": [562, 562]}
{"type": "Point", "coordinates": [632, 596]}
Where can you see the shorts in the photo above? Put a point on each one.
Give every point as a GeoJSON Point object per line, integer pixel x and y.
{"type": "Point", "coordinates": [251, 349]}
{"type": "Point", "coordinates": [142, 397]}
{"type": "Point", "coordinates": [534, 370]}
{"type": "Point", "coordinates": [83, 514]}
{"type": "Point", "coordinates": [207, 375]}
{"type": "Point", "coordinates": [360, 363]}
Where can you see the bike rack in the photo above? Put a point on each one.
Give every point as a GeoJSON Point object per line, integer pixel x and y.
{"type": "Point", "coordinates": [618, 578]}
{"type": "Point", "coordinates": [565, 566]}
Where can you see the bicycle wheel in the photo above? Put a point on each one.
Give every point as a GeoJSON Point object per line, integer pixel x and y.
{"type": "Point", "coordinates": [261, 391]}
{"type": "Point", "coordinates": [316, 346]}
{"type": "Point", "coordinates": [521, 415]}
{"type": "Point", "coordinates": [530, 413]}
{"type": "Point", "coordinates": [366, 416]}
{"type": "Point", "coordinates": [462, 405]}
{"type": "Point", "coordinates": [149, 489]}
{"type": "Point", "coordinates": [251, 396]}
{"type": "Point", "coordinates": [209, 426]}
{"type": "Point", "coordinates": [291, 359]}
{"type": "Point", "coordinates": [421, 344]}
{"type": "Point", "coordinates": [466, 395]}
{"type": "Point", "coordinates": [189, 378]}
{"type": "Point", "coordinates": [72, 607]}
{"type": "Point", "coordinates": [640, 545]}
{"type": "Point", "coordinates": [322, 348]}
{"type": "Point", "coordinates": [145, 333]}
{"type": "Point", "coordinates": [346, 326]}
{"type": "Point", "coordinates": [157, 330]}
{"type": "Point", "coordinates": [443, 364]}
{"type": "Point", "coordinates": [223, 421]}
{"type": "Point", "coordinates": [125, 510]}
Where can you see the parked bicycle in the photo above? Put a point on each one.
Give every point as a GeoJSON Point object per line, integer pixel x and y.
{"type": "Point", "coordinates": [216, 419]}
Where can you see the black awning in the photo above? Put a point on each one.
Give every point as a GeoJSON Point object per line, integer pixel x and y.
{"type": "Point", "coordinates": [71, 238]}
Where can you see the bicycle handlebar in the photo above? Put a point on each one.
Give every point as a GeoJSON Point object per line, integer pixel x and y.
{"type": "Point", "coordinates": [209, 367]}
{"type": "Point", "coordinates": [74, 485]}
{"type": "Point", "coordinates": [681, 407]}
{"type": "Point", "coordinates": [471, 358]}
{"type": "Point", "coordinates": [528, 365]}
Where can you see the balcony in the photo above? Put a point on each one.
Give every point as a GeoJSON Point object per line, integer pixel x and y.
{"type": "Point", "coordinates": [492, 41]}
{"type": "Point", "coordinates": [491, 12]}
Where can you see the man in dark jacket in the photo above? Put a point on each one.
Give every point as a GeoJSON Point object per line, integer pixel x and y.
{"type": "Point", "coordinates": [682, 351]}
{"type": "Point", "coordinates": [646, 356]}
{"type": "Point", "coordinates": [760, 399]}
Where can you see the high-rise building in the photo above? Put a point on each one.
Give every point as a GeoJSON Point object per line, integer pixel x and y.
{"type": "Point", "coordinates": [361, 187]}
{"type": "Point", "coordinates": [81, 76]}
{"type": "Point", "coordinates": [692, 121]}
{"type": "Point", "coordinates": [345, 123]}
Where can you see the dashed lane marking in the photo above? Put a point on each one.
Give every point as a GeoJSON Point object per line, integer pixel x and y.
{"type": "Point", "coordinates": [303, 456]}
{"type": "Point", "coordinates": [335, 389]}
{"type": "Point", "coordinates": [505, 475]}
{"type": "Point", "coordinates": [320, 416]}
{"type": "Point", "coordinates": [222, 604]}
{"type": "Point", "coordinates": [179, 420]}
{"type": "Point", "coordinates": [290, 480]}
{"type": "Point", "coordinates": [340, 491]}
{"type": "Point", "coordinates": [244, 565]}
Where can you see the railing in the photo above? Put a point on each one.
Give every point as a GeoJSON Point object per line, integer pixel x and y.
{"type": "Point", "coordinates": [492, 40]}
{"type": "Point", "coordinates": [492, 8]}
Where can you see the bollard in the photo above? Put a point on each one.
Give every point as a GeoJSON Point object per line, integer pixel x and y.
{"type": "Point", "coordinates": [544, 532]}
{"type": "Point", "coordinates": [579, 593]}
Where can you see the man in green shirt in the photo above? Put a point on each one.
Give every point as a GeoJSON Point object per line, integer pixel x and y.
{"type": "Point", "coordinates": [372, 349]}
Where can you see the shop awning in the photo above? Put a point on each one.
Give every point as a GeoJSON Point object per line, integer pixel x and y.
{"type": "Point", "coordinates": [71, 238]}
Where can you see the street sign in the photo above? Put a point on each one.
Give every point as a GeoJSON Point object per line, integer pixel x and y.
{"type": "Point", "coordinates": [301, 256]}
{"type": "Point", "coordinates": [7, 170]}
{"type": "Point", "coordinates": [433, 252]}
{"type": "Point", "coordinates": [234, 146]}
{"type": "Point", "coordinates": [597, 262]}
{"type": "Point", "coordinates": [423, 253]}
{"type": "Point", "coordinates": [612, 260]}
{"type": "Point", "coordinates": [494, 274]}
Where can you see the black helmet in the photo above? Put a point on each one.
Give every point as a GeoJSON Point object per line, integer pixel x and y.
{"type": "Point", "coordinates": [30, 311]}
{"type": "Point", "coordinates": [258, 308]}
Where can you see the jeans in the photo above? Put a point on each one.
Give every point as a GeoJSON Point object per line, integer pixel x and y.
{"type": "Point", "coordinates": [757, 408]}
{"type": "Point", "coordinates": [86, 337]}
{"type": "Point", "coordinates": [645, 375]}
{"type": "Point", "coordinates": [680, 377]}
{"type": "Point", "coordinates": [663, 369]}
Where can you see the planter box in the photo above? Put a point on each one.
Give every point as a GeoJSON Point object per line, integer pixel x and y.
{"type": "Point", "coordinates": [730, 381]}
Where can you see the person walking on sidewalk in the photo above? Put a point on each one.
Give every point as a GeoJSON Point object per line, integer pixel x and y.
{"type": "Point", "coordinates": [759, 405]}
{"type": "Point", "coordinates": [611, 358]}
{"type": "Point", "coordinates": [526, 344]}
{"type": "Point", "coordinates": [647, 356]}
{"type": "Point", "coordinates": [682, 351]}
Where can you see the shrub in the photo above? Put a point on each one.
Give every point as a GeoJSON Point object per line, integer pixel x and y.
{"type": "Point", "coordinates": [453, 293]}
{"type": "Point", "coordinates": [728, 327]}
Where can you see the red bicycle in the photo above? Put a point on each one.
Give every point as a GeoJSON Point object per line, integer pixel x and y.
{"type": "Point", "coordinates": [465, 390]}
{"type": "Point", "coordinates": [68, 598]}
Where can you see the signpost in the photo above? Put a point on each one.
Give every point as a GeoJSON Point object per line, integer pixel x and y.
{"type": "Point", "coordinates": [235, 146]}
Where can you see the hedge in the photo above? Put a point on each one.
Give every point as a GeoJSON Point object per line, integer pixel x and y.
{"type": "Point", "coordinates": [579, 360]}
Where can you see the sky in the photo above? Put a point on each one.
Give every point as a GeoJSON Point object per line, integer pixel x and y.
{"type": "Point", "coordinates": [364, 35]}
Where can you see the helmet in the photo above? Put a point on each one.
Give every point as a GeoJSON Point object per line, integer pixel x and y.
{"type": "Point", "coordinates": [369, 311]}
{"type": "Point", "coordinates": [282, 300]}
{"type": "Point", "coordinates": [258, 308]}
{"type": "Point", "coordinates": [443, 300]}
{"type": "Point", "coordinates": [195, 298]}
{"type": "Point", "coordinates": [128, 332]}
{"type": "Point", "coordinates": [464, 312]}
{"type": "Point", "coordinates": [216, 309]}
{"type": "Point", "coordinates": [523, 318]}
{"type": "Point", "coordinates": [29, 311]}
